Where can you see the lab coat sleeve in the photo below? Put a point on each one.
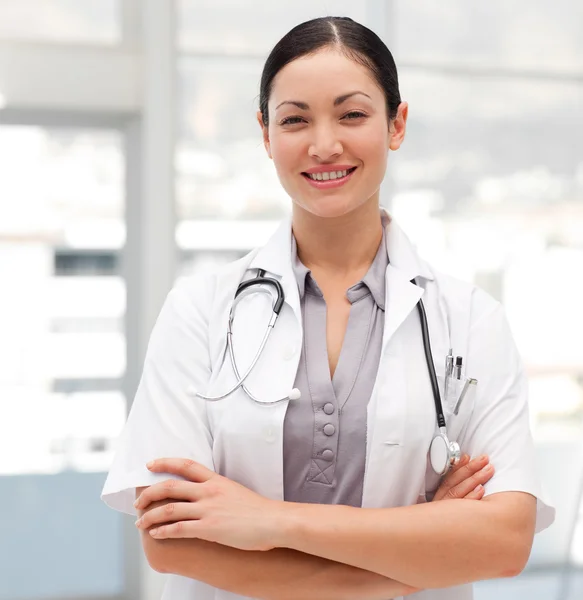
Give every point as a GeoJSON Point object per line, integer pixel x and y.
{"type": "Point", "coordinates": [165, 420]}
{"type": "Point", "coordinates": [499, 425]}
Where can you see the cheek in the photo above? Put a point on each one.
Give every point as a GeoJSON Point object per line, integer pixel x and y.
{"type": "Point", "coordinates": [287, 153]}
{"type": "Point", "coordinates": [371, 146]}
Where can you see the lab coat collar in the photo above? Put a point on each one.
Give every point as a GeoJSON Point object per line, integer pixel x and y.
{"type": "Point", "coordinates": [275, 257]}
{"type": "Point", "coordinates": [402, 253]}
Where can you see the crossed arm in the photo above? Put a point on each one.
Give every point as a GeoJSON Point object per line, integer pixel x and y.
{"type": "Point", "coordinates": [281, 573]}
{"type": "Point", "coordinates": [344, 552]}
{"type": "Point", "coordinates": [427, 545]}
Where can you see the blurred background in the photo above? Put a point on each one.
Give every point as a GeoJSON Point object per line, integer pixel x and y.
{"type": "Point", "coordinates": [130, 156]}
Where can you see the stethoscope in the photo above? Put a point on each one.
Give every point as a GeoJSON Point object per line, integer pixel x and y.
{"type": "Point", "coordinates": [443, 453]}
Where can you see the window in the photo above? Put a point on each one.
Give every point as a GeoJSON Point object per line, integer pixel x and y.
{"type": "Point", "coordinates": [495, 195]}
{"type": "Point", "coordinates": [230, 26]}
{"type": "Point", "coordinates": [62, 351]}
{"type": "Point", "coordinates": [66, 21]}
{"type": "Point", "coordinates": [523, 34]}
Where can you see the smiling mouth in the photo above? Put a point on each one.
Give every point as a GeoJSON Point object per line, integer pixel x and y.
{"type": "Point", "coordinates": [329, 175]}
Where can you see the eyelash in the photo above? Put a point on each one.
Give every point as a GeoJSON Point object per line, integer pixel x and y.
{"type": "Point", "coordinates": [290, 120]}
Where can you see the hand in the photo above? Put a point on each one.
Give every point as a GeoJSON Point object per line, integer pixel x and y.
{"type": "Point", "coordinates": [207, 506]}
{"type": "Point", "coordinates": [466, 480]}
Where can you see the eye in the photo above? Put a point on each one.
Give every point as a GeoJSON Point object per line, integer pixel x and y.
{"type": "Point", "coordinates": [291, 120]}
{"type": "Point", "coordinates": [354, 114]}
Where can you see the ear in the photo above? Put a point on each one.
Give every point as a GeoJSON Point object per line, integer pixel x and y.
{"type": "Point", "coordinates": [398, 127]}
{"type": "Point", "coordinates": [265, 132]}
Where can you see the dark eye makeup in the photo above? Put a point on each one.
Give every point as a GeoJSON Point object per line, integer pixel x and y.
{"type": "Point", "coordinates": [349, 116]}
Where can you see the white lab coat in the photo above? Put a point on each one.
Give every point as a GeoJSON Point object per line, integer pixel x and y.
{"type": "Point", "coordinates": [243, 441]}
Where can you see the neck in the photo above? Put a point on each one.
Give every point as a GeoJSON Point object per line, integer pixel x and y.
{"type": "Point", "coordinates": [340, 245]}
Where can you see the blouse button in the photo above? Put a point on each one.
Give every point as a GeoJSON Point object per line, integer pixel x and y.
{"type": "Point", "coordinates": [329, 408]}
{"type": "Point", "coordinates": [329, 429]}
{"type": "Point", "coordinates": [328, 454]}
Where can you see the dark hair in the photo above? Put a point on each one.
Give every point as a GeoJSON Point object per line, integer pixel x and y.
{"type": "Point", "coordinates": [356, 41]}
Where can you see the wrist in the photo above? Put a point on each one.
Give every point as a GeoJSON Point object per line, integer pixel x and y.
{"type": "Point", "coordinates": [287, 518]}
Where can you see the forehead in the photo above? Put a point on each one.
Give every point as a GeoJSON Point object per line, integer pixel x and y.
{"type": "Point", "coordinates": [326, 74]}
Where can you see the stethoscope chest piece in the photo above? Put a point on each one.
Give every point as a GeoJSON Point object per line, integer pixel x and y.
{"type": "Point", "coordinates": [443, 454]}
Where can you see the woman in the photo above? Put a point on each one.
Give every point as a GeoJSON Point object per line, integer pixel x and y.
{"type": "Point", "coordinates": [322, 494]}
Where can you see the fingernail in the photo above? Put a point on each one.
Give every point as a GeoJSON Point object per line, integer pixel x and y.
{"type": "Point", "coordinates": [483, 458]}
{"type": "Point", "coordinates": [487, 468]}
{"type": "Point", "coordinates": [150, 464]}
{"type": "Point", "coordinates": [478, 488]}
{"type": "Point", "coordinates": [136, 503]}
{"type": "Point", "coordinates": [138, 522]}
{"type": "Point", "coordinates": [153, 531]}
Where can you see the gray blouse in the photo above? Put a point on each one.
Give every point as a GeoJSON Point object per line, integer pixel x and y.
{"type": "Point", "coordinates": [324, 438]}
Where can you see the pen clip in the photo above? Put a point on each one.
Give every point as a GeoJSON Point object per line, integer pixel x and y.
{"type": "Point", "coordinates": [449, 363]}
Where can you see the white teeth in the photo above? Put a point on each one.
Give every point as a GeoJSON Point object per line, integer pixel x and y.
{"type": "Point", "coordinates": [327, 175]}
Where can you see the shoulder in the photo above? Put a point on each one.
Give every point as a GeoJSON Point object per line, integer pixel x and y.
{"type": "Point", "coordinates": [465, 301]}
{"type": "Point", "coordinates": [199, 292]}
{"type": "Point", "coordinates": [464, 296]}
{"type": "Point", "coordinates": [479, 328]}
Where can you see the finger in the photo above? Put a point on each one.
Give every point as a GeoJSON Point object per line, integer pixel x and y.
{"type": "Point", "coordinates": [476, 494]}
{"type": "Point", "coordinates": [180, 529]}
{"type": "Point", "coordinates": [468, 485]}
{"type": "Point", "coordinates": [444, 487]}
{"type": "Point", "coordinates": [456, 477]}
{"type": "Point", "coordinates": [176, 489]}
{"type": "Point", "coordinates": [169, 513]}
{"type": "Point", "coordinates": [185, 467]}
{"type": "Point", "coordinates": [446, 482]}
{"type": "Point", "coordinates": [462, 463]}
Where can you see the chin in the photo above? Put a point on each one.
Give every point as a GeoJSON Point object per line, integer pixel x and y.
{"type": "Point", "coordinates": [331, 207]}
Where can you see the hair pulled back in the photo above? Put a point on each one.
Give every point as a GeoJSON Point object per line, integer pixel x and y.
{"type": "Point", "coordinates": [354, 40]}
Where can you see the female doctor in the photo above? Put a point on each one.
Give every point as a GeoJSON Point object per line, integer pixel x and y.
{"type": "Point", "coordinates": [306, 476]}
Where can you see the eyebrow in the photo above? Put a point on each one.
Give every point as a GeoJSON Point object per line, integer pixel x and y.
{"type": "Point", "coordinates": [337, 102]}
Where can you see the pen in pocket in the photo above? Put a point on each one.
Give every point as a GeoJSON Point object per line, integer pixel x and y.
{"type": "Point", "coordinates": [463, 394]}
{"type": "Point", "coordinates": [448, 372]}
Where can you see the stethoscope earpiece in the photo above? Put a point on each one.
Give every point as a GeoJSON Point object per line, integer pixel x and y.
{"type": "Point", "coordinates": [295, 394]}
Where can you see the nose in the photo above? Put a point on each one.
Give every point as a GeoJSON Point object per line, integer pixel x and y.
{"type": "Point", "coordinates": [325, 143]}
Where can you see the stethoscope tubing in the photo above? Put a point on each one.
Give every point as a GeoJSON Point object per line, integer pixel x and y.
{"type": "Point", "coordinates": [278, 303]}
{"type": "Point", "coordinates": [452, 449]}
{"type": "Point", "coordinates": [430, 363]}
{"type": "Point", "coordinates": [279, 299]}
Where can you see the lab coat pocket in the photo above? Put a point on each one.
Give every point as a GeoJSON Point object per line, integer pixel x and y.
{"type": "Point", "coordinates": [458, 406]}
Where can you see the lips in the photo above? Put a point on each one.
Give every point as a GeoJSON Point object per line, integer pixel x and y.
{"type": "Point", "coordinates": [325, 184]}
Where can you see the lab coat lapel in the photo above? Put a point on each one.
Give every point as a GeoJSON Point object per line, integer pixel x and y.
{"type": "Point", "coordinates": [402, 297]}
{"type": "Point", "coordinates": [248, 437]}
{"type": "Point", "coordinates": [228, 280]}
{"type": "Point", "coordinates": [277, 367]}
{"type": "Point", "coordinates": [275, 259]}
{"type": "Point", "coordinates": [273, 375]}
{"type": "Point", "coordinates": [390, 479]}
